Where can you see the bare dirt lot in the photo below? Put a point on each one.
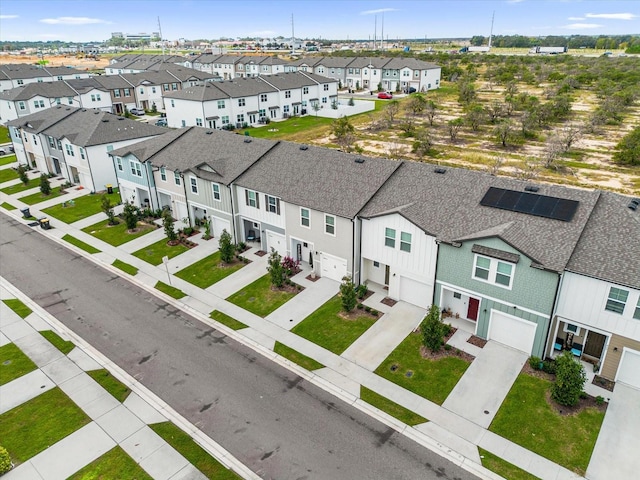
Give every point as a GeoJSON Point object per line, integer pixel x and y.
{"type": "Point", "coordinates": [57, 61]}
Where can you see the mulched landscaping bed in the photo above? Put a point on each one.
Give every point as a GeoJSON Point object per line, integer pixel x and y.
{"type": "Point", "coordinates": [477, 341]}
{"type": "Point", "coordinates": [443, 352]}
{"type": "Point", "coordinates": [312, 279]}
{"type": "Point", "coordinates": [295, 288]}
{"type": "Point", "coordinates": [603, 383]}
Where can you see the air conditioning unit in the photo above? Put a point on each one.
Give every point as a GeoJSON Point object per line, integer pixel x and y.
{"type": "Point", "coordinates": [239, 124]}
{"type": "Point", "coordinates": [285, 115]}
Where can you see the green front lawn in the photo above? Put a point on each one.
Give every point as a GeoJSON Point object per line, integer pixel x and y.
{"type": "Point", "coordinates": [169, 290]}
{"type": "Point", "coordinates": [225, 319]}
{"type": "Point", "coordinates": [21, 187]}
{"type": "Point", "coordinates": [13, 363]}
{"type": "Point", "coordinates": [208, 271]}
{"type": "Point", "coordinates": [7, 174]}
{"type": "Point", "coordinates": [82, 207]}
{"type": "Point", "coordinates": [430, 379]}
{"type": "Point", "coordinates": [34, 426]}
{"type": "Point", "coordinates": [17, 306]}
{"type": "Point", "coordinates": [8, 206]}
{"type": "Point", "coordinates": [7, 160]}
{"type": "Point", "coordinates": [259, 298]}
{"type": "Point", "coordinates": [110, 383]}
{"type": "Point", "coordinates": [326, 328]}
{"type": "Point", "coordinates": [39, 197]}
{"type": "Point", "coordinates": [80, 244]}
{"type": "Point", "coordinates": [502, 467]}
{"type": "Point", "coordinates": [113, 464]}
{"type": "Point", "coordinates": [290, 126]}
{"type": "Point", "coordinates": [153, 253]}
{"type": "Point", "coordinates": [125, 267]}
{"type": "Point", "coordinates": [526, 418]}
{"type": "Point", "coordinates": [297, 357]}
{"type": "Point", "coordinates": [4, 134]}
{"type": "Point", "coordinates": [116, 234]}
{"type": "Point", "coordinates": [193, 452]}
{"type": "Point", "coordinates": [65, 346]}
{"type": "Point", "coordinates": [397, 411]}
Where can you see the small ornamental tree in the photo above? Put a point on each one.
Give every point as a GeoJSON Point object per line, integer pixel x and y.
{"type": "Point", "coordinates": [130, 214]}
{"type": "Point", "coordinates": [22, 174]}
{"type": "Point", "coordinates": [107, 208]}
{"type": "Point", "coordinates": [433, 330]}
{"type": "Point", "coordinates": [5, 461]}
{"type": "Point", "coordinates": [275, 269]}
{"type": "Point", "coordinates": [226, 247]}
{"type": "Point", "coordinates": [348, 294]}
{"type": "Point", "coordinates": [45, 185]}
{"type": "Point", "coordinates": [168, 224]}
{"type": "Point", "coordinates": [570, 378]}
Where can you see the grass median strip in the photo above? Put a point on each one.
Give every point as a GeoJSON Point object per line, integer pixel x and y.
{"type": "Point", "coordinates": [125, 267]}
{"type": "Point", "coordinates": [153, 253]}
{"type": "Point", "coordinates": [397, 411]}
{"type": "Point", "coordinates": [193, 452]}
{"type": "Point", "coordinates": [297, 357]}
{"type": "Point", "coordinates": [502, 467]}
{"type": "Point", "coordinates": [259, 298]}
{"type": "Point", "coordinates": [116, 235]}
{"type": "Point", "coordinates": [13, 363]}
{"type": "Point", "coordinates": [113, 464]}
{"type": "Point", "coordinates": [17, 306]}
{"type": "Point", "coordinates": [65, 346]}
{"type": "Point", "coordinates": [110, 383]}
{"type": "Point", "coordinates": [82, 207]}
{"type": "Point", "coordinates": [34, 426]}
{"type": "Point", "coordinates": [7, 160]}
{"type": "Point", "coordinates": [225, 319]}
{"type": "Point", "coordinates": [21, 187]}
{"type": "Point", "coordinates": [527, 419]}
{"type": "Point", "coordinates": [169, 290]}
{"type": "Point", "coordinates": [8, 206]}
{"type": "Point", "coordinates": [80, 244]}
{"type": "Point", "coordinates": [39, 197]}
{"type": "Point", "coordinates": [7, 174]}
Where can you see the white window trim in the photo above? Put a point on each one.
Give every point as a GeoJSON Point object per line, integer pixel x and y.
{"type": "Point", "coordinates": [163, 174]}
{"type": "Point", "coordinates": [119, 164]}
{"type": "Point", "coordinates": [214, 192]}
{"type": "Point", "coordinates": [308, 218]}
{"type": "Point", "coordinates": [493, 270]}
{"type": "Point", "coordinates": [390, 238]}
{"type": "Point", "coordinates": [624, 304]}
{"type": "Point", "coordinates": [326, 224]}
{"type": "Point", "coordinates": [136, 168]}
{"type": "Point", "coordinates": [406, 243]}
{"type": "Point", "coordinates": [176, 178]}
{"type": "Point", "coordinates": [193, 185]}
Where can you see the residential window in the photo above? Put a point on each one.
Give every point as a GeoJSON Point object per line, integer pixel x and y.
{"type": "Point", "coordinates": [70, 100]}
{"type": "Point", "coordinates": [503, 273]}
{"type": "Point", "coordinates": [52, 144]}
{"type": "Point", "coordinates": [127, 92]}
{"type": "Point", "coordinates": [493, 271]}
{"type": "Point", "coordinates": [20, 82]}
{"type": "Point", "coordinates": [21, 105]}
{"type": "Point", "coordinates": [82, 153]}
{"type": "Point", "coordinates": [241, 102]}
{"type": "Point", "coordinates": [163, 174]}
{"type": "Point", "coordinates": [636, 313]}
{"type": "Point", "coordinates": [194, 185]}
{"type": "Point", "coordinates": [390, 237]}
{"type": "Point", "coordinates": [285, 109]}
{"type": "Point", "coordinates": [173, 103]}
{"type": "Point", "coordinates": [220, 104]}
{"type": "Point", "coordinates": [287, 94]}
{"type": "Point", "coordinates": [59, 144]}
{"type": "Point", "coordinates": [251, 198]}
{"type": "Point", "coordinates": [262, 113]}
{"type": "Point", "coordinates": [263, 97]}
{"type": "Point", "coordinates": [69, 150]}
{"type": "Point", "coordinates": [116, 93]}
{"type": "Point", "coordinates": [405, 241]}
{"type": "Point", "coordinates": [326, 87]}
{"type": "Point", "coordinates": [483, 266]}
{"type": "Point", "coordinates": [216, 191]}
{"type": "Point", "coordinates": [184, 123]}
{"type": "Point", "coordinates": [617, 300]}
{"type": "Point", "coordinates": [58, 101]}
{"type": "Point", "coordinates": [119, 164]}
{"type": "Point", "coordinates": [35, 140]}
{"type": "Point", "coordinates": [330, 224]}
{"type": "Point", "coordinates": [324, 99]}
{"type": "Point", "coordinates": [305, 219]}
{"type": "Point", "coordinates": [141, 90]}
{"type": "Point", "coordinates": [225, 120]}
{"type": "Point", "coordinates": [176, 178]}
{"type": "Point", "coordinates": [136, 168]}
{"type": "Point", "coordinates": [153, 89]}
{"type": "Point", "coordinates": [273, 204]}
{"type": "Point", "coordinates": [198, 122]}
{"type": "Point", "coordinates": [305, 90]}
{"type": "Point", "coordinates": [165, 87]}
{"type": "Point", "coordinates": [38, 103]}
{"type": "Point", "coordinates": [174, 86]}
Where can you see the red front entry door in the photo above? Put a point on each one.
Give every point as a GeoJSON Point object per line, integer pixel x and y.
{"type": "Point", "coordinates": [472, 312]}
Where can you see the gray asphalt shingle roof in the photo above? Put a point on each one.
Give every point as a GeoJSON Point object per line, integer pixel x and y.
{"type": "Point", "coordinates": [319, 178]}
{"type": "Point", "coordinates": [42, 89]}
{"type": "Point", "coordinates": [39, 121]}
{"type": "Point", "coordinates": [609, 248]}
{"type": "Point", "coordinates": [448, 207]}
{"type": "Point", "coordinates": [199, 93]}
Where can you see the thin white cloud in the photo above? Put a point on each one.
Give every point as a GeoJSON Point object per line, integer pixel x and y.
{"type": "Point", "coordinates": [580, 26]}
{"type": "Point", "coordinates": [612, 16]}
{"type": "Point", "coordinates": [379, 10]}
{"type": "Point", "coordinates": [72, 21]}
{"type": "Point", "coordinates": [515, 1]}
{"type": "Point", "coordinates": [573, 19]}
{"type": "Point", "coordinates": [7, 17]}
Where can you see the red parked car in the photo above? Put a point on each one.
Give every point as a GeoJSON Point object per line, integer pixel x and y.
{"type": "Point", "coordinates": [385, 95]}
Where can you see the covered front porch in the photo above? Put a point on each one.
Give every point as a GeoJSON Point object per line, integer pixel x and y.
{"type": "Point", "coordinates": [587, 345]}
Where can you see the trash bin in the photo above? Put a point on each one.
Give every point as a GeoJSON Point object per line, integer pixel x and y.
{"type": "Point", "coordinates": [109, 189]}
{"type": "Point", "coordinates": [44, 223]}
{"type": "Point", "coordinates": [26, 213]}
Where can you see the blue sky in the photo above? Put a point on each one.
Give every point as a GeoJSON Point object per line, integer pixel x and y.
{"type": "Point", "coordinates": [93, 20]}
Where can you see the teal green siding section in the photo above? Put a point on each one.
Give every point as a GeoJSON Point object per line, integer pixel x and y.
{"type": "Point", "coordinates": [532, 288]}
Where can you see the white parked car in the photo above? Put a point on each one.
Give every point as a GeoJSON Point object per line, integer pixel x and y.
{"type": "Point", "coordinates": [137, 112]}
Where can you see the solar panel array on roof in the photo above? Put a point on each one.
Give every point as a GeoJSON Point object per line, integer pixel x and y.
{"type": "Point", "coordinates": [530, 203]}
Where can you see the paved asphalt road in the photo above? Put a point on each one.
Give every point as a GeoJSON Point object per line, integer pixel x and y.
{"type": "Point", "coordinates": [279, 425]}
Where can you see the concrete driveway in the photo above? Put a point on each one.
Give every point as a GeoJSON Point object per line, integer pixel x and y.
{"type": "Point", "coordinates": [485, 384]}
{"type": "Point", "coordinates": [616, 452]}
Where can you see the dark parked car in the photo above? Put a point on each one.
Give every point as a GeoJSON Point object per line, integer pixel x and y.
{"type": "Point", "coordinates": [161, 122]}
{"type": "Point", "coordinates": [410, 90]}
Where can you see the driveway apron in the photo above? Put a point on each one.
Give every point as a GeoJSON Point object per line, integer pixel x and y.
{"type": "Point", "coordinates": [616, 452]}
{"type": "Point", "coordinates": [485, 384]}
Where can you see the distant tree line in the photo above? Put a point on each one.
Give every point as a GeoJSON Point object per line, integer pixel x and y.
{"type": "Point", "coordinates": [573, 42]}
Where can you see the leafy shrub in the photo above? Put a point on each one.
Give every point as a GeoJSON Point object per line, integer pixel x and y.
{"type": "Point", "coordinates": [534, 362]}
{"type": "Point", "coordinates": [45, 185]}
{"type": "Point", "coordinates": [225, 247]}
{"type": "Point", "coordinates": [362, 290]}
{"type": "Point", "coordinates": [5, 460]}
{"type": "Point", "coordinates": [599, 400]}
{"type": "Point", "coordinates": [433, 330]}
{"type": "Point", "coordinates": [549, 366]}
{"type": "Point", "coordinates": [348, 294]}
{"type": "Point", "coordinates": [360, 306]}
{"type": "Point", "coordinates": [447, 346]}
{"type": "Point", "coordinates": [290, 265]}
{"type": "Point", "coordinates": [276, 271]}
{"type": "Point", "coordinates": [241, 247]}
{"type": "Point", "coordinates": [367, 308]}
{"type": "Point", "coordinates": [374, 312]}
{"type": "Point", "coordinates": [570, 378]}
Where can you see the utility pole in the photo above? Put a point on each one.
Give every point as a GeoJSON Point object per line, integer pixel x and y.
{"type": "Point", "coordinates": [293, 38]}
{"type": "Point", "coordinates": [375, 31]}
{"type": "Point", "coordinates": [491, 33]}
{"type": "Point", "coordinates": [160, 33]}
{"type": "Point", "coordinates": [382, 34]}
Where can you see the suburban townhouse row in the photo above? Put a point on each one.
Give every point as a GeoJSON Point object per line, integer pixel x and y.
{"type": "Point", "coordinates": [108, 93]}
{"type": "Point", "coordinates": [542, 268]}
{"type": "Point", "coordinates": [367, 73]}
{"type": "Point", "coordinates": [17, 75]}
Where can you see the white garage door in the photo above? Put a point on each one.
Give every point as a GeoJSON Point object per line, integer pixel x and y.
{"type": "Point", "coordinates": [219, 225]}
{"type": "Point", "coordinates": [512, 331]}
{"type": "Point", "coordinates": [180, 212]}
{"type": "Point", "coordinates": [277, 242]}
{"type": "Point", "coordinates": [414, 292]}
{"type": "Point", "coordinates": [629, 368]}
{"type": "Point", "coordinates": [333, 267]}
